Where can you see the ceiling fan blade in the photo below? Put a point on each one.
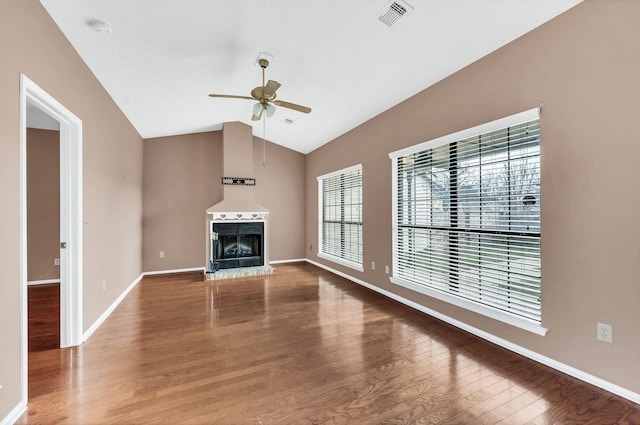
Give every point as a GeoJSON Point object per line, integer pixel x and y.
{"type": "Point", "coordinates": [231, 96]}
{"type": "Point", "coordinates": [270, 89]}
{"type": "Point", "coordinates": [293, 106]}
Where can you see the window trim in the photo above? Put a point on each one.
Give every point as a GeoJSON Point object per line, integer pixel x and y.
{"type": "Point", "coordinates": [319, 253]}
{"type": "Point", "coordinates": [499, 124]}
{"type": "Point", "coordinates": [485, 310]}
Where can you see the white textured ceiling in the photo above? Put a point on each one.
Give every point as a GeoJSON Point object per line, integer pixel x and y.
{"type": "Point", "coordinates": [163, 57]}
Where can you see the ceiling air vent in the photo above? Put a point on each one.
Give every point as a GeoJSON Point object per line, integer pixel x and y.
{"type": "Point", "coordinates": [393, 12]}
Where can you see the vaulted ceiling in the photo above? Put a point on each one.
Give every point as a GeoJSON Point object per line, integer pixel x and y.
{"type": "Point", "coordinates": [162, 58]}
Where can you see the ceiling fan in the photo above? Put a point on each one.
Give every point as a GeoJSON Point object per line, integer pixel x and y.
{"type": "Point", "coordinates": [266, 97]}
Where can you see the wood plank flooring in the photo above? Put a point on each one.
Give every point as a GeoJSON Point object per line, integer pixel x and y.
{"type": "Point", "coordinates": [44, 316]}
{"type": "Point", "coordinates": [300, 347]}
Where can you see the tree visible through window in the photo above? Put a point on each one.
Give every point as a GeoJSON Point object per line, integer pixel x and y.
{"type": "Point", "coordinates": [340, 227]}
{"type": "Point", "coordinates": [467, 219]}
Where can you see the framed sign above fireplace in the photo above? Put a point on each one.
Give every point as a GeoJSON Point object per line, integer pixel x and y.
{"type": "Point", "coordinates": [239, 181]}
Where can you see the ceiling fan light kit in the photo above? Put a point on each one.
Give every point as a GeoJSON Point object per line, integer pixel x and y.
{"type": "Point", "coordinates": [270, 110]}
{"type": "Point", "coordinates": [257, 109]}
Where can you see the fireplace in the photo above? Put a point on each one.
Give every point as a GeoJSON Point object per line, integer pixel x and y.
{"type": "Point", "coordinates": [239, 244]}
{"type": "Point", "coordinates": [237, 226]}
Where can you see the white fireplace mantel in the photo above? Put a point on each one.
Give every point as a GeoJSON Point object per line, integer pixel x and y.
{"type": "Point", "coordinates": [238, 215]}
{"type": "Point", "coordinates": [243, 209]}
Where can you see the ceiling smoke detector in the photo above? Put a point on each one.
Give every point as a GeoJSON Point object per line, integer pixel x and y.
{"type": "Point", "coordinates": [100, 26]}
{"type": "Point", "coordinates": [393, 11]}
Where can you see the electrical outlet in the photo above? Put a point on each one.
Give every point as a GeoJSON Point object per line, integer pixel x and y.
{"type": "Point", "coordinates": [56, 261]}
{"type": "Point", "coordinates": [373, 265]}
{"type": "Point", "coordinates": [605, 333]}
{"type": "Point", "coordinates": [386, 269]}
{"type": "Point", "coordinates": [161, 254]}
{"type": "Point", "coordinates": [104, 285]}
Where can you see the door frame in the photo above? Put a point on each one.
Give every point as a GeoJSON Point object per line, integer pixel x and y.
{"type": "Point", "coordinates": [70, 219]}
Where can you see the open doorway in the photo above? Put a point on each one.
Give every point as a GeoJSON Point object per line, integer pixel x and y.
{"type": "Point", "coordinates": [43, 230]}
{"type": "Point", "coordinates": [70, 220]}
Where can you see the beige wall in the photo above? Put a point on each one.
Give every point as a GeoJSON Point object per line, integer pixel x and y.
{"type": "Point", "coordinates": [584, 65]}
{"type": "Point", "coordinates": [43, 204]}
{"type": "Point", "coordinates": [280, 186]}
{"type": "Point", "coordinates": [182, 179]}
{"type": "Point", "coordinates": [31, 43]}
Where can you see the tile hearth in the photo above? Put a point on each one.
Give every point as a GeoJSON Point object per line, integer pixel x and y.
{"type": "Point", "coordinates": [241, 272]}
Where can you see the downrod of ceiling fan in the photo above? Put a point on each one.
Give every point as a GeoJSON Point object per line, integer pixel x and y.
{"type": "Point", "coordinates": [263, 64]}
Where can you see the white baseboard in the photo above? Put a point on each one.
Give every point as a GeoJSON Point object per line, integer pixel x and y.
{"type": "Point", "coordinates": [42, 282]}
{"type": "Point", "coordinates": [14, 414]}
{"type": "Point", "coordinates": [547, 361]}
{"type": "Point", "coordinates": [192, 269]}
{"type": "Point", "coordinates": [110, 310]}
{"type": "Point", "coordinates": [294, 260]}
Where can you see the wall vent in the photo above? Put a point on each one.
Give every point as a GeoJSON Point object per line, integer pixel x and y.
{"type": "Point", "coordinates": [393, 11]}
{"type": "Point", "coordinates": [288, 121]}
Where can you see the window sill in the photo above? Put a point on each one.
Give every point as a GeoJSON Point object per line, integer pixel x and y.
{"type": "Point", "coordinates": [511, 319]}
{"type": "Point", "coordinates": [342, 262]}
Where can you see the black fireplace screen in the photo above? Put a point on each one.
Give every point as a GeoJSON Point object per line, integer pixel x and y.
{"type": "Point", "coordinates": [239, 244]}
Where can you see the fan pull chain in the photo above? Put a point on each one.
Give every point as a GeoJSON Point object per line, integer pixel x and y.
{"type": "Point", "coordinates": [264, 128]}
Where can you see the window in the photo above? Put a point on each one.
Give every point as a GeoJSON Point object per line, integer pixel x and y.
{"type": "Point", "coordinates": [467, 219]}
{"type": "Point", "coordinates": [340, 217]}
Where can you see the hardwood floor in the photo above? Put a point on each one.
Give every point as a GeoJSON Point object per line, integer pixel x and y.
{"type": "Point", "coordinates": [299, 347]}
{"type": "Point", "coordinates": [44, 316]}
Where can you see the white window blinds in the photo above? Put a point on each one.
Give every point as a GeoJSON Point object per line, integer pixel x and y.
{"type": "Point", "coordinates": [340, 227]}
{"type": "Point", "coordinates": [467, 216]}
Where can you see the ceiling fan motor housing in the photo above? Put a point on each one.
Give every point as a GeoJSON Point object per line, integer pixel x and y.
{"type": "Point", "coordinates": [259, 95]}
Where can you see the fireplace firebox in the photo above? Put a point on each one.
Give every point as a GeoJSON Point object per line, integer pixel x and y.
{"type": "Point", "coordinates": [239, 244]}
